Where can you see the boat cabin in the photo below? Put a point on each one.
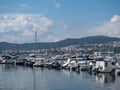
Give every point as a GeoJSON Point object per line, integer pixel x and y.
{"type": "Point", "coordinates": [104, 66]}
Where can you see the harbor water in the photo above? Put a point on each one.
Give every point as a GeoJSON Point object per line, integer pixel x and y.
{"type": "Point", "coordinates": [26, 78]}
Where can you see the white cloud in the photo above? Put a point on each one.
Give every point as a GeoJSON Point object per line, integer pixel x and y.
{"type": "Point", "coordinates": [57, 5]}
{"type": "Point", "coordinates": [110, 28]}
{"type": "Point", "coordinates": [52, 38]}
{"type": "Point", "coordinates": [115, 18]}
{"type": "Point", "coordinates": [23, 26]}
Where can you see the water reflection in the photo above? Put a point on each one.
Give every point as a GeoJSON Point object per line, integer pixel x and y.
{"type": "Point", "coordinates": [70, 74]}
{"type": "Point", "coordinates": [105, 78]}
{"type": "Point", "coordinates": [8, 67]}
{"type": "Point", "coordinates": [26, 78]}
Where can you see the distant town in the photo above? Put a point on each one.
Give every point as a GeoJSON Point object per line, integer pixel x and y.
{"type": "Point", "coordinates": [111, 48]}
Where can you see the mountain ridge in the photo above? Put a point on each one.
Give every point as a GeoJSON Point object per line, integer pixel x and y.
{"type": "Point", "coordinates": [62, 43]}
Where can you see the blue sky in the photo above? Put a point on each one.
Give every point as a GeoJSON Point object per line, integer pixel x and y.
{"type": "Point", "coordinates": [55, 20]}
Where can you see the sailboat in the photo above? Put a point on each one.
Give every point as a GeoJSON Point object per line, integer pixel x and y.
{"type": "Point", "coordinates": [35, 59]}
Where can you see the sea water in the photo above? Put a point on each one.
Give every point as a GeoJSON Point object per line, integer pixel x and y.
{"type": "Point", "coordinates": [25, 78]}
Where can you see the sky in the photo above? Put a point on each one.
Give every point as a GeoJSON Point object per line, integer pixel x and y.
{"type": "Point", "coordinates": [55, 20]}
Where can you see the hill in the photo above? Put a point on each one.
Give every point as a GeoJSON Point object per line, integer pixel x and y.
{"type": "Point", "coordinates": [62, 43]}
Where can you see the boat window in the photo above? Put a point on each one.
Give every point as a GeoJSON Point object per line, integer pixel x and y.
{"type": "Point", "coordinates": [105, 64]}
{"type": "Point", "coordinates": [113, 63]}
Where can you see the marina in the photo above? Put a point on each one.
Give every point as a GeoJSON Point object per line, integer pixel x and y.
{"type": "Point", "coordinates": [35, 73]}
{"type": "Point", "coordinates": [97, 64]}
{"type": "Point", "coordinates": [59, 45]}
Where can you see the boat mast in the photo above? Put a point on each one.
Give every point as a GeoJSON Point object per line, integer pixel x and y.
{"type": "Point", "coordinates": [35, 44]}
{"type": "Point", "coordinates": [35, 37]}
